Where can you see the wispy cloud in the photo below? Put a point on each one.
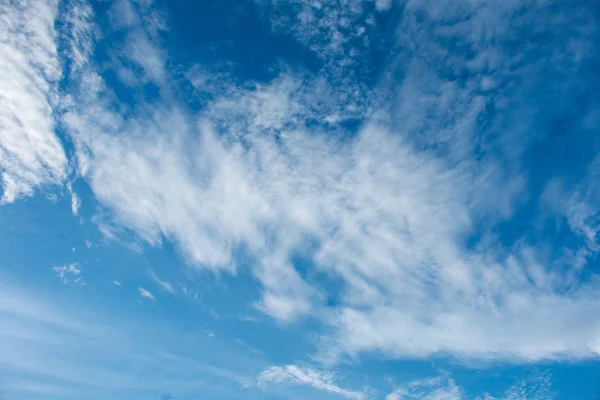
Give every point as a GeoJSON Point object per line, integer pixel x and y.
{"type": "Point", "coordinates": [33, 329]}
{"type": "Point", "coordinates": [75, 202]}
{"type": "Point", "coordinates": [248, 318]}
{"type": "Point", "coordinates": [163, 284]}
{"type": "Point", "coordinates": [578, 204]}
{"type": "Point", "coordinates": [142, 25]}
{"type": "Point", "coordinates": [31, 154]}
{"type": "Point", "coordinates": [294, 375]}
{"type": "Point", "coordinates": [386, 210]}
{"type": "Point", "coordinates": [191, 293]}
{"type": "Point", "coordinates": [440, 388]}
{"type": "Point", "coordinates": [145, 293]}
{"type": "Point", "coordinates": [390, 212]}
{"type": "Point", "coordinates": [537, 386]}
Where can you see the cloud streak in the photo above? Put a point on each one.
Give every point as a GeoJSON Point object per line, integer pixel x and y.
{"type": "Point", "coordinates": [292, 374]}
{"type": "Point", "coordinates": [163, 284]}
{"type": "Point", "coordinates": [145, 293]}
{"type": "Point", "coordinates": [89, 341]}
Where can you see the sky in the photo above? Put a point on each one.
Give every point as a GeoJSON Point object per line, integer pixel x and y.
{"type": "Point", "coordinates": [291, 199]}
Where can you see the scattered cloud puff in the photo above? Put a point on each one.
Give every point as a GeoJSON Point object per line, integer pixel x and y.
{"type": "Point", "coordinates": [116, 282]}
{"type": "Point", "coordinates": [69, 273]}
{"type": "Point", "coordinates": [145, 293]}
{"type": "Point", "coordinates": [295, 375]}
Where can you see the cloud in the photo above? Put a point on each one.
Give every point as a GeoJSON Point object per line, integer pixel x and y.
{"type": "Point", "coordinates": [69, 273]}
{"type": "Point", "coordinates": [145, 293]}
{"type": "Point", "coordinates": [374, 230]}
{"type": "Point", "coordinates": [248, 318]}
{"type": "Point", "coordinates": [78, 35]}
{"type": "Point", "coordinates": [340, 35]}
{"type": "Point", "coordinates": [191, 293]}
{"type": "Point", "coordinates": [90, 340]}
{"type": "Point", "coordinates": [334, 31]}
{"type": "Point", "coordinates": [292, 374]}
{"type": "Point", "coordinates": [440, 388]}
{"type": "Point", "coordinates": [537, 386]}
{"type": "Point", "coordinates": [578, 205]}
{"type": "Point", "coordinates": [116, 282]}
{"type": "Point", "coordinates": [383, 5]}
{"type": "Point", "coordinates": [31, 155]}
{"type": "Point", "coordinates": [163, 284]}
{"type": "Point", "coordinates": [387, 220]}
{"type": "Point", "coordinates": [142, 25]}
{"type": "Point", "coordinates": [75, 201]}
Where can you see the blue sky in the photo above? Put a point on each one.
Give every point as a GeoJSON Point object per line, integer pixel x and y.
{"type": "Point", "coordinates": [282, 199]}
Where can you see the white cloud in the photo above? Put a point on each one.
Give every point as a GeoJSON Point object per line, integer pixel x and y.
{"type": "Point", "coordinates": [116, 282]}
{"type": "Point", "coordinates": [75, 202]}
{"type": "Point", "coordinates": [388, 221]}
{"type": "Point", "coordinates": [338, 33]}
{"type": "Point", "coordinates": [383, 5]}
{"type": "Point", "coordinates": [31, 155]}
{"type": "Point", "coordinates": [191, 293]}
{"type": "Point", "coordinates": [292, 374]}
{"type": "Point", "coordinates": [537, 386]}
{"type": "Point", "coordinates": [124, 15]}
{"type": "Point", "coordinates": [79, 33]}
{"type": "Point", "coordinates": [69, 273]}
{"type": "Point", "coordinates": [440, 388]}
{"type": "Point", "coordinates": [163, 284]}
{"type": "Point", "coordinates": [321, 26]}
{"type": "Point", "coordinates": [579, 204]}
{"type": "Point", "coordinates": [145, 293]}
{"type": "Point", "coordinates": [142, 26]}
{"type": "Point", "coordinates": [386, 213]}
{"type": "Point", "coordinates": [248, 318]}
